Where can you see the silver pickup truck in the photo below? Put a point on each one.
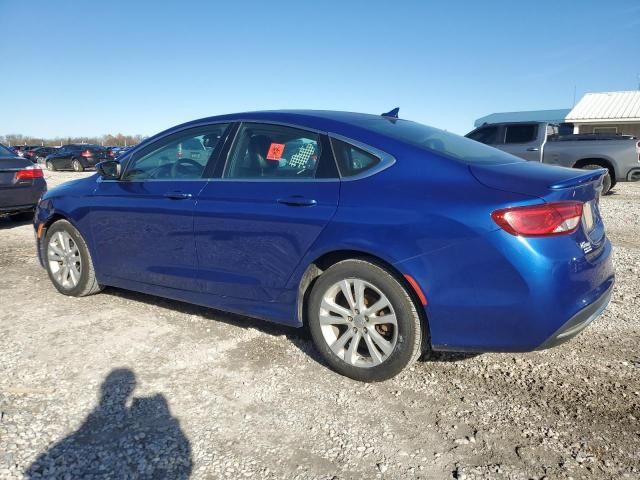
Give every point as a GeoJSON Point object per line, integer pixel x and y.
{"type": "Point", "coordinates": [541, 142]}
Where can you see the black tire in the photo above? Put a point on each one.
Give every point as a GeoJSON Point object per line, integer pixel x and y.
{"type": "Point", "coordinates": [50, 166]}
{"type": "Point", "coordinates": [607, 183]}
{"type": "Point", "coordinates": [76, 165]}
{"type": "Point", "coordinates": [409, 326]}
{"type": "Point", "coordinates": [87, 284]}
{"type": "Point", "coordinates": [22, 216]}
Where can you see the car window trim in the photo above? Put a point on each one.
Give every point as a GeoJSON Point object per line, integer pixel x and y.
{"type": "Point", "coordinates": [202, 178]}
{"type": "Point", "coordinates": [386, 160]}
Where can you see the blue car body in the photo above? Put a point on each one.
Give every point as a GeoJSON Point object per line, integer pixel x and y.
{"type": "Point", "coordinates": [232, 244]}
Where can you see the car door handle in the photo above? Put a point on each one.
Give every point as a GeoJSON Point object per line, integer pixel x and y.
{"type": "Point", "coordinates": [533, 149]}
{"type": "Point", "coordinates": [297, 201]}
{"type": "Point", "coordinates": [177, 195]}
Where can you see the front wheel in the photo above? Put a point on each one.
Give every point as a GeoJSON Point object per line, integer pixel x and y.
{"type": "Point", "coordinates": [363, 321]}
{"type": "Point", "coordinates": [68, 261]}
{"type": "Point", "coordinates": [50, 166]}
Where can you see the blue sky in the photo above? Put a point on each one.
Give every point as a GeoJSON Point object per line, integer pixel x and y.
{"type": "Point", "coordinates": [95, 67]}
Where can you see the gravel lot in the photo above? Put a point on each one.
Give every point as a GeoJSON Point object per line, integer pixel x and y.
{"type": "Point", "coordinates": [124, 385]}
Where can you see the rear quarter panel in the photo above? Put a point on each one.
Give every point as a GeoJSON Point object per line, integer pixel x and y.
{"type": "Point", "coordinates": [421, 204]}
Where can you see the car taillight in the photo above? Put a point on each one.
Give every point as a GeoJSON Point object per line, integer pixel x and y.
{"type": "Point", "coordinates": [28, 173]}
{"type": "Point", "coordinates": [86, 153]}
{"type": "Point", "coordinates": [547, 219]}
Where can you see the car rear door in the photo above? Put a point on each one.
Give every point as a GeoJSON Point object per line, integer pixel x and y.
{"type": "Point", "coordinates": [272, 199]}
{"type": "Point", "coordinates": [142, 224]}
{"type": "Point", "coordinates": [522, 140]}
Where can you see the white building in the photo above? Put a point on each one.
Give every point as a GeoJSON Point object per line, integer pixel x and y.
{"type": "Point", "coordinates": [608, 112]}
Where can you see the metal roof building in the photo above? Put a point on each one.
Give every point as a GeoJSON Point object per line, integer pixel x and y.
{"type": "Point", "coordinates": [607, 112]}
{"type": "Point", "coordinates": [551, 116]}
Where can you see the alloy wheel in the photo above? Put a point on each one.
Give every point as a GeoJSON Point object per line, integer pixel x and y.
{"type": "Point", "coordinates": [64, 259]}
{"type": "Point", "coordinates": [358, 322]}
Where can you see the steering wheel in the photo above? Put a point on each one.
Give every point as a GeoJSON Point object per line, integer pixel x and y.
{"type": "Point", "coordinates": [184, 162]}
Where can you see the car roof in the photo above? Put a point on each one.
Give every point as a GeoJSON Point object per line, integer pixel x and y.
{"type": "Point", "coordinates": [317, 119]}
{"type": "Point", "coordinates": [350, 124]}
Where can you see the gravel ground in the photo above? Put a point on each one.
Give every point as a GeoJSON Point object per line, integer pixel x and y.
{"type": "Point", "coordinates": [124, 385]}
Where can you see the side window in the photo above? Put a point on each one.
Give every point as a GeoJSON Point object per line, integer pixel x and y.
{"type": "Point", "coordinates": [486, 135]}
{"type": "Point", "coordinates": [273, 151]}
{"type": "Point", "coordinates": [521, 133]}
{"type": "Point", "coordinates": [352, 160]}
{"type": "Point", "coordinates": [183, 155]}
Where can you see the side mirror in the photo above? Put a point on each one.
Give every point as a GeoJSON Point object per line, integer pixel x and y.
{"type": "Point", "coordinates": [109, 169]}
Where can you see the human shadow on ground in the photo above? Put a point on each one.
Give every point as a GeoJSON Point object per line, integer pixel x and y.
{"type": "Point", "coordinates": [117, 441]}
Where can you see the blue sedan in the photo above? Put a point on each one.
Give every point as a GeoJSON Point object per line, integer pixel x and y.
{"type": "Point", "coordinates": [387, 238]}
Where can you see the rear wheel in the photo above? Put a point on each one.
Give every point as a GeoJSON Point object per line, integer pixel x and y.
{"type": "Point", "coordinates": [68, 261]}
{"type": "Point", "coordinates": [77, 166]}
{"type": "Point", "coordinates": [50, 166]}
{"type": "Point", "coordinates": [363, 321]}
{"type": "Point", "coordinates": [606, 181]}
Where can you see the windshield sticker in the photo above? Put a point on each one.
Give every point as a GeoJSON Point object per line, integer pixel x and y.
{"type": "Point", "coordinates": [275, 151]}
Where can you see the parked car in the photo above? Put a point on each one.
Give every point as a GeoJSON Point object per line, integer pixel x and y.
{"type": "Point", "coordinates": [21, 185]}
{"type": "Point", "coordinates": [21, 150]}
{"type": "Point", "coordinates": [27, 151]}
{"type": "Point", "coordinates": [77, 157]}
{"type": "Point", "coordinates": [38, 155]}
{"type": "Point", "coordinates": [115, 152]}
{"type": "Point", "coordinates": [384, 236]}
{"type": "Point", "coordinates": [540, 142]}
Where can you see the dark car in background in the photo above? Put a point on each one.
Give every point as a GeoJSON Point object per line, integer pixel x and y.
{"type": "Point", "coordinates": [39, 155]}
{"type": "Point", "coordinates": [77, 157]}
{"type": "Point", "coordinates": [21, 150]}
{"type": "Point", "coordinates": [115, 152]}
{"type": "Point", "coordinates": [21, 185]}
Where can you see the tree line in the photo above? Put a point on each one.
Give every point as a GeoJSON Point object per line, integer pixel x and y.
{"type": "Point", "coordinates": [118, 140]}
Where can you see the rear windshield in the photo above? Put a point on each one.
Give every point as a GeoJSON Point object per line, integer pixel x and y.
{"type": "Point", "coordinates": [5, 152]}
{"type": "Point", "coordinates": [438, 141]}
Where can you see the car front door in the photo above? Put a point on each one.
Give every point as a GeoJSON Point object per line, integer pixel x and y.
{"type": "Point", "coordinates": [142, 224]}
{"type": "Point", "coordinates": [276, 193]}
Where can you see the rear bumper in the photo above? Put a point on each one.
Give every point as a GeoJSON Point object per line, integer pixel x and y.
{"type": "Point", "coordinates": [579, 321]}
{"type": "Point", "coordinates": [633, 175]}
{"type": "Point", "coordinates": [501, 293]}
{"type": "Point", "coordinates": [20, 198]}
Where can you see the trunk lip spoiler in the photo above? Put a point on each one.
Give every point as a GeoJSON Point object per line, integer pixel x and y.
{"type": "Point", "coordinates": [587, 177]}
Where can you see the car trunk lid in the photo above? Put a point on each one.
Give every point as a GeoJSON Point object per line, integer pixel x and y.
{"type": "Point", "coordinates": [539, 180]}
{"type": "Point", "coordinates": [8, 169]}
{"type": "Point", "coordinates": [551, 184]}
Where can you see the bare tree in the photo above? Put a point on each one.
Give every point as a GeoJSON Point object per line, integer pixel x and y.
{"type": "Point", "coordinates": [117, 140]}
